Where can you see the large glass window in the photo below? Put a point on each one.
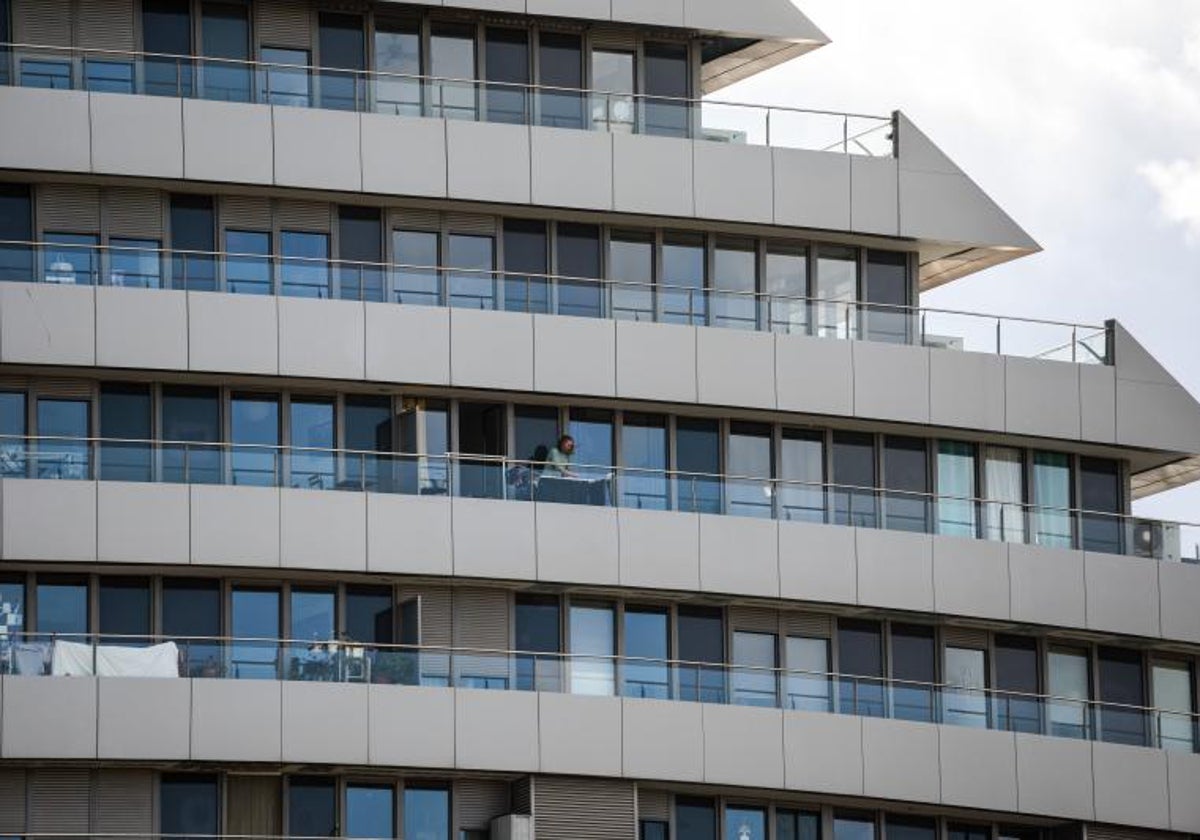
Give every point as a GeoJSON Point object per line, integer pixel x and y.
{"type": "Point", "coordinates": [853, 456]}
{"type": "Point", "coordinates": [749, 489]}
{"type": "Point", "coordinates": [1004, 489]}
{"type": "Point", "coordinates": [254, 427]}
{"type": "Point", "coordinates": [1017, 681]}
{"type": "Point", "coordinates": [63, 427]}
{"type": "Point", "coordinates": [1100, 493]}
{"type": "Point", "coordinates": [135, 263]}
{"type": "Point", "coordinates": [191, 423]}
{"type": "Point", "coordinates": [743, 823]}
{"type": "Point", "coordinates": [313, 439]}
{"type": "Point", "coordinates": [914, 669]}
{"type": "Point", "coordinates": [368, 421]}
{"type": "Point", "coordinates": [853, 826]}
{"type": "Point", "coordinates": [560, 65]}
{"type": "Point", "coordinates": [189, 805]}
{"type": "Point", "coordinates": [398, 61]}
{"type": "Point", "coordinates": [682, 294]}
{"type": "Point", "coordinates": [698, 461]}
{"type": "Point", "coordinates": [126, 425]}
{"type": "Point", "coordinates": [802, 473]}
{"type": "Point", "coordinates": [1069, 683]}
{"type": "Point", "coordinates": [911, 828]}
{"type": "Point", "coordinates": [62, 606]}
{"type": "Point", "coordinates": [666, 67]}
{"type": "Point", "coordinates": [644, 458]}
{"type": "Point", "coordinates": [646, 672]}
{"type": "Point", "coordinates": [836, 293]}
{"type": "Point", "coordinates": [71, 259]}
{"type": "Point", "coordinates": [755, 660]}
{"type": "Point", "coordinates": [342, 48]}
{"type": "Point", "coordinates": [526, 288]}
{"type": "Point", "coordinates": [313, 622]}
{"type": "Point", "coordinates": [592, 429]}
{"type": "Point", "coordinates": [312, 807]}
{"type": "Point", "coordinates": [191, 615]}
{"type": "Point", "coordinates": [481, 431]}
{"type": "Point", "coordinates": [906, 477]}
{"type": "Point", "coordinates": [5, 38]}
{"type": "Point", "coordinates": [613, 81]}
{"type": "Point", "coordinates": [506, 58]}
{"type": "Point", "coordinates": [415, 278]}
{"type": "Point", "coordinates": [786, 287]}
{"type": "Point", "coordinates": [283, 80]}
{"type": "Point", "coordinates": [167, 34]}
{"type": "Point", "coordinates": [1122, 694]}
{"type": "Point", "coordinates": [886, 298]}
{"type": "Point", "coordinates": [808, 684]}
{"type": "Point", "coordinates": [1173, 697]}
{"type": "Point", "coordinates": [538, 632]}
{"type": "Point", "coordinates": [535, 431]}
{"type": "Point", "coordinates": [860, 664]}
{"type": "Point", "coordinates": [14, 458]}
{"type": "Point", "coordinates": [16, 225]}
{"type": "Point", "coordinates": [254, 621]}
{"type": "Point", "coordinates": [248, 268]}
{"type": "Point", "coordinates": [701, 638]}
{"type": "Point", "coordinates": [966, 701]}
{"type": "Point", "coordinates": [593, 645]}
{"type": "Point", "coordinates": [695, 818]}
{"type": "Point", "coordinates": [370, 811]}
{"type": "Point", "coordinates": [225, 33]}
{"type": "Point", "coordinates": [471, 281]}
{"type": "Point", "coordinates": [797, 825]}
{"type": "Point", "coordinates": [304, 269]}
{"type": "Point", "coordinates": [124, 607]}
{"type": "Point", "coordinates": [735, 284]}
{"type": "Point", "coordinates": [631, 276]}
{"type": "Point", "coordinates": [360, 249]}
{"type": "Point", "coordinates": [452, 63]}
{"type": "Point", "coordinates": [1052, 499]}
{"type": "Point", "coordinates": [956, 488]}
{"type": "Point", "coordinates": [426, 813]}
{"type": "Point", "coordinates": [579, 257]}
{"type": "Point", "coordinates": [193, 240]}
{"type": "Point", "coordinates": [12, 613]}
{"type": "Point", "coordinates": [370, 615]}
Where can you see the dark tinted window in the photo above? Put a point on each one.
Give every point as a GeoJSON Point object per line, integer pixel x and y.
{"type": "Point", "coordinates": [537, 625]}
{"type": "Point", "coordinates": [192, 225]}
{"type": "Point", "coordinates": [5, 37]}
{"type": "Point", "coordinates": [701, 638]}
{"type": "Point", "coordinates": [370, 811]}
{"type": "Point", "coordinates": [360, 234]}
{"type": "Point", "coordinates": [125, 607]}
{"type": "Point", "coordinates": [860, 651]}
{"type": "Point", "coordinates": [191, 607]}
{"type": "Point", "coordinates": [167, 27]}
{"type": "Point", "coordinates": [698, 451]}
{"type": "Point", "coordinates": [653, 830]}
{"type": "Point", "coordinates": [695, 818]}
{"type": "Point", "coordinates": [189, 805]}
{"type": "Point", "coordinates": [906, 469]}
{"type": "Point", "coordinates": [560, 62]}
{"type": "Point", "coordinates": [426, 812]}
{"type": "Point", "coordinates": [16, 225]}
{"type": "Point", "coordinates": [910, 828]}
{"type": "Point", "coordinates": [968, 832]}
{"type": "Point", "coordinates": [1017, 679]}
{"type": "Point", "coordinates": [1100, 490]}
{"type": "Point", "coordinates": [12, 413]}
{"type": "Point", "coordinates": [579, 256]}
{"type": "Point", "coordinates": [225, 33]}
{"type": "Point", "coordinates": [368, 429]}
{"type": "Point", "coordinates": [506, 57]}
{"type": "Point", "coordinates": [886, 286]}
{"type": "Point", "coordinates": [525, 245]}
{"type": "Point", "coordinates": [62, 605]}
{"type": "Point", "coordinates": [666, 76]}
{"type": "Point", "coordinates": [853, 456]}
{"type": "Point", "coordinates": [850, 826]}
{"type": "Point", "coordinates": [312, 807]}
{"type": "Point", "coordinates": [12, 598]}
{"type": "Point", "coordinates": [370, 614]}
{"type": "Point", "coordinates": [797, 825]}
{"type": "Point", "coordinates": [1122, 682]}
{"type": "Point", "coordinates": [342, 45]}
{"type": "Point", "coordinates": [125, 415]}
{"type": "Point", "coordinates": [914, 661]}
{"type": "Point", "coordinates": [536, 431]}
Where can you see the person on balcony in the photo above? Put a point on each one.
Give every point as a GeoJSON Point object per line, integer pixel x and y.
{"type": "Point", "coordinates": [559, 459]}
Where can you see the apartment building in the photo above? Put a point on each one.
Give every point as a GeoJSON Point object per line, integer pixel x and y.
{"type": "Point", "coordinates": [459, 420]}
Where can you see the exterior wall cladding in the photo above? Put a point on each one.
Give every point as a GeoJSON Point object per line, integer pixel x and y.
{"type": "Point", "coordinates": [299, 300]}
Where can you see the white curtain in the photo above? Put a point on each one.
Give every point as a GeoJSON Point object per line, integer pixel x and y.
{"type": "Point", "coordinates": [1004, 514]}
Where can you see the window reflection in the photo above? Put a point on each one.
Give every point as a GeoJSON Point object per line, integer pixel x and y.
{"type": "Point", "coordinates": [426, 813]}
{"type": "Point", "coordinates": [646, 649]}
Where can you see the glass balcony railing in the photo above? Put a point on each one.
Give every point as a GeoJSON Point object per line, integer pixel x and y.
{"type": "Point", "coordinates": [476, 100]}
{"type": "Point", "coordinates": [348, 661]}
{"type": "Point", "coordinates": [490, 477]}
{"type": "Point", "coordinates": [74, 264]}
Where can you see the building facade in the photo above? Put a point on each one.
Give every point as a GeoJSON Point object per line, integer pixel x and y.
{"type": "Point", "coordinates": [300, 300]}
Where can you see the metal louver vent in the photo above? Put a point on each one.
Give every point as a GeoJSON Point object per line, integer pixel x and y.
{"type": "Point", "coordinates": [404, 219]}
{"type": "Point", "coordinates": [478, 801]}
{"type": "Point", "coordinates": [967, 637]}
{"type": "Point", "coordinates": [240, 212]}
{"type": "Point", "coordinates": [302, 215]}
{"type": "Point", "coordinates": [584, 810]}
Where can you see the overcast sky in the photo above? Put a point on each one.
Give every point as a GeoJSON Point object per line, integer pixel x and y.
{"type": "Point", "coordinates": [1080, 117]}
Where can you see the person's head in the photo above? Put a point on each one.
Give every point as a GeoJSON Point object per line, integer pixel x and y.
{"type": "Point", "coordinates": [566, 444]}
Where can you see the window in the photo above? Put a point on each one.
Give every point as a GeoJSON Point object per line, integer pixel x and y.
{"type": "Point", "coordinates": [283, 77]}
{"type": "Point", "coordinates": [797, 825]}
{"type": "Point", "coordinates": [124, 606]}
{"type": "Point", "coordinates": [16, 225]}
{"type": "Point", "coordinates": [860, 664]}
{"type": "Point", "coordinates": [452, 63]}
{"type": "Point", "coordinates": [1004, 489]}
{"type": "Point", "coordinates": [481, 431]}
{"type": "Point", "coordinates": [886, 298]}
{"type": "Point", "coordinates": [966, 697]}
{"type": "Point", "coordinates": [51, 74]}
{"type": "Point", "coordinates": [1069, 684]}
{"type": "Point", "coordinates": [853, 458]}
{"type": "Point", "coordinates": [191, 615]}
{"type": "Point", "coordinates": [1100, 493]}
{"type": "Point", "coordinates": [613, 81]}
{"type": "Point", "coordinates": [225, 32]}
{"type": "Point", "coordinates": [836, 292]}
{"type": "Point", "coordinates": [104, 75]}
{"type": "Point", "coordinates": [189, 805]}
{"type": "Point", "coordinates": [506, 58]}
{"type": "Point", "coordinates": [370, 615]}
{"type": "Point", "coordinates": [398, 60]}
{"type": "Point", "coordinates": [968, 832]}
{"type": "Point", "coordinates": [592, 429]}
{"type": "Point", "coordinates": [304, 268]}
{"type": "Point", "coordinates": [534, 433]}
{"type": "Point", "coordinates": [313, 439]}
{"type": "Point", "coordinates": [167, 31]}
{"type": "Point", "coordinates": [698, 460]}
{"type": "Point", "coordinates": [415, 279]}
{"type": "Point", "coordinates": [360, 247]}
{"type": "Point", "coordinates": [1052, 499]}
{"type": "Point", "coordinates": [342, 47]}
{"type": "Point", "coordinates": [255, 614]}
{"type": "Point", "coordinates": [801, 493]}
{"type": "Point", "coordinates": [910, 828]}
{"type": "Point", "coordinates": [914, 667]}
{"type": "Point", "coordinates": [1172, 685]}
{"type": "Point", "coordinates": [743, 823]}
{"type": "Point", "coordinates": [695, 818]}
{"type": "Point", "coordinates": [666, 67]}
{"type": "Point", "coordinates": [1122, 696]}
{"type": "Point", "coordinates": [579, 257]}
{"type": "Point", "coordinates": [5, 38]}
{"type": "Point", "coordinates": [62, 606]}
{"type": "Point", "coordinates": [193, 229]}
{"type": "Point", "coordinates": [755, 658]}
{"type": "Point", "coordinates": [471, 282]}
{"type": "Point", "coordinates": [593, 645]}
{"type": "Point", "coordinates": [126, 427]}
{"type": "Point", "coordinates": [191, 423]}
{"type": "Point", "coordinates": [701, 639]}
{"type": "Point", "coordinates": [135, 262]}
{"type": "Point", "coordinates": [749, 490]}
{"type": "Point", "coordinates": [71, 259]}
{"type": "Point", "coordinates": [643, 479]}
{"type": "Point", "coordinates": [682, 292]}
{"type": "Point", "coordinates": [735, 285]}
{"type": "Point", "coordinates": [12, 611]}
{"type": "Point", "coordinates": [526, 288]}
{"type": "Point", "coordinates": [653, 830]}
{"type": "Point", "coordinates": [254, 427]}
{"type": "Point", "coordinates": [426, 813]}
{"type": "Point", "coordinates": [63, 426]}
{"type": "Point", "coordinates": [956, 488]}
{"type": "Point", "coordinates": [631, 276]}
{"type": "Point", "coordinates": [1017, 679]}
{"type": "Point", "coordinates": [646, 673]}
{"type": "Point", "coordinates": [312, 807]}
{"type": "Point", "coordinates": [368, 421]}
{"type": "Point", "coordinates": [560, 63]}
{"type": "Point", "coordinates": [853, 826]}
{"type": "Point", "coordinates": [808, 685]}
{"type": "Point", "coordinates": [313, 620]}
{"type": "Point", "coordinates": [537, 632]}
{"type": "Point", "coordinates": [786, 287]}
{"type": "Point", "coordinates": [248, 266]}
{"type": "Point", "coordinates": [370, 811]}
{"type": "Point", "coordinates": [906, 477]}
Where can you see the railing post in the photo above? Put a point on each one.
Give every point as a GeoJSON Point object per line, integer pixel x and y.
{"type": "Point", "coordinates": [1074, 343]}
{"type": "Point", "coordinates": [768, 127]}
{"type": "Point", "coordinates": [998, 353]}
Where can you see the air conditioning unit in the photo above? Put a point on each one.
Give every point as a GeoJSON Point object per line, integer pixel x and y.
{"type": "Point", "coordinates": [724, 135]}
{"type": "Point", "coordinates": [512, 827]}
{"type": "Point", "coordinates": [944, 342]}
{"type": "Point", "coordinates": [1156, 540]}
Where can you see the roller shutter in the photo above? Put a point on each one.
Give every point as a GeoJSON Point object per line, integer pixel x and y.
{"type": "Point", "coordinates": [12, 802]}
{"type": "Point", "coordinates": [471, 223]}
{"type": "Point", "coordinates": [814, 625]}
{"type": "Point", "coordinates": [965, 637]}
{"type": "Point", "coordinates": [580, 809]}
{"type": "Point", "coordinates": [252, 806]}
{"type": "Point", "coordinates": [478, 801]}
{"type": "Point", "coordinates": [68, 208]}
{"type": "Point", "coordinates": [653, 804]}
{"type": "Point", "coordinates": [481, 623]}
{"type": "Point", "coordinates": [404, 219]}
{"type": "Point", "coordinates": [302, 215]}
{"type": "Point", "coordinates": [123, 802]}
{"type": "Point", "coordinates": [283, 23]}
{"type": "Point", "coordinates": [59, 801]}
{"type": "Point", "coordinates": [42, 22]}
{"type": "Point", "coordinates": [133, 213]}
{"type": "Point", "coordinates": [240, 212]}
{"type": "Point", "coordinates": [754, 619]}
{"type": "Point", "coordinates": [106, 25]}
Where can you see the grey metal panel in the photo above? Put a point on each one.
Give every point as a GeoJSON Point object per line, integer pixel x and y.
{"type": "Point", "coordinates": [420, 139]}
{"type": "Point", "coordinates": [68, 208]}
{"type": "Point", "coordinates": [653, 804]}
{"type": "Point", "coordinates": [136, 330]}
{"type": "Point", "coordinates": [42, 22]}
{"type": "Point", "coordinates": [978, 768]}
{"type": "Point", "coordinates": [568, 749]}
{"type": "Point", "coordinates": [1131, 785]}
{"type": "Point", "coordinates": [228, 142]}
{"type": "Point", "coordinates": [478, 801]}
{"type": "Point", "coordinates": [900, 760]}
{"type": "Point", "coordinates": [577, 544]}
{"type": "Point", "coordinates": [755, 544]}
{"type": "Point", "coordinates": [12, 800]}
{"type": "Point", "coordinates": [140, 136]}
{"type": "Point", "coordinates": [302, 215]}
{"type": "Point", "coordinates": [742, 746]}
{"type": "Point", "coordinates": [970, 577]}
{"type": "Point", "coordinates": [280, 23]}
{"type": "Point", "coordinates": [244, 212]}
{"type": "Point", "coordinates": [586, 810]}
{"type": "Point", "coordinates": [133, 212]}
{"type": "Point", "coordinates": [123, 802]}
{"type": "Point", "coordinates": [105, 25]}
{"type": "Point", "coordinates": [45, 130]}
{"type": "Point", "coordinates": [58, 800]}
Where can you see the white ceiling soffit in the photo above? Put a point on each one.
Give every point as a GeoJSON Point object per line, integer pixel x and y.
{"type": "Point", "coordinates": [760, 34]}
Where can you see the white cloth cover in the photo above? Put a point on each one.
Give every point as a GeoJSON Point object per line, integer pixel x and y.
{"type": "Point", "coordinates": [73, 659]}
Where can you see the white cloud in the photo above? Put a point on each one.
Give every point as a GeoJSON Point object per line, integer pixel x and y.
{"type": "Point", "coordinates": [1178, 186]}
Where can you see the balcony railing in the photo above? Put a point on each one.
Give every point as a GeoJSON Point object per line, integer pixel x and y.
{"type": "Point", "coordinates": [74, 264]}
{"type": "Point", "coordinates": [348, 661]}
{"type": "Point", "coordinates": [491, 477]}
{"type": "Point", "coordinates": [477, 100]}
